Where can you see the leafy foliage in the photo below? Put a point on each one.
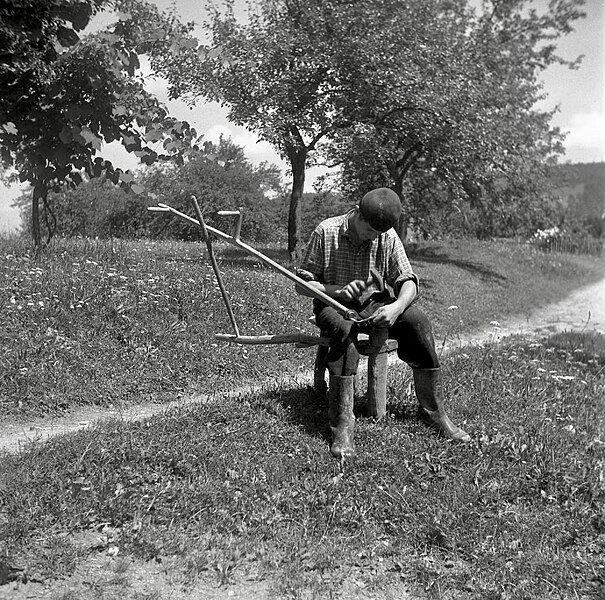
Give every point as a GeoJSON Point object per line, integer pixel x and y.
{"type": "Point", "coordinates": [222, 179]}
{"type": "Point", "coordinates": [391, 90]}
{"type": "Point", "coordinates": [455, 105]}
{"type": "Point", "coordinates": [219, 176]}
{"type": "Point", "coordinates": [578, 189]}
{"type": "Point", "coordinates": [276, 76]}
{"type": "Point", "coordinates": [69, 96]}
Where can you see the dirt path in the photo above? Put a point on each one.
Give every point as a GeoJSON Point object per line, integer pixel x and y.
{"type": "Point", "coordinates": [582, 310]}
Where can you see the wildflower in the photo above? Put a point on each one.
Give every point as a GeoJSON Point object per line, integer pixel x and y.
{"type": "Point", "coordinates": [494, 323]}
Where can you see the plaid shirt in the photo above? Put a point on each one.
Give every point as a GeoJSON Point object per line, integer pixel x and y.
{"type": "Point", "coordinates": [333, 259]}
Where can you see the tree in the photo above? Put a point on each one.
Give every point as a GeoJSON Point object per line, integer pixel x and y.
{"type": "Point", "coordinates": [390, 85]}
{"type": "Point", "coordinates": [66, 97]}
{"type": "Point", "coordinates": [460, 103]}
{"type": "Point", "coordinates": [274, 73]}
{"type": "Point", "coordinates": [220, 177]}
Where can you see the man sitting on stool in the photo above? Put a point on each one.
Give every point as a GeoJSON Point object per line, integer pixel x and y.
{"type": "Point", "coordinates": [340, 255]}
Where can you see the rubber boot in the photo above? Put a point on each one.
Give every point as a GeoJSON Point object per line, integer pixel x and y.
{"type": "Point", "coordinates": [429, 391]}
{"type": "Point", "coordinates": [340, 413]}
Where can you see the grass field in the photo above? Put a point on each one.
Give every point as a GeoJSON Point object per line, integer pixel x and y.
{"type": "Point", "coordinates": [115, 323]}
{"type": "Point", "coordinates": [239, 491]}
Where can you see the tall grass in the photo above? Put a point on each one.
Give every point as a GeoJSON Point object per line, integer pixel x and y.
{"type": "Point", "coordinates": [114, 323]}
{"type": "Point", "coordinates": [120, 323]}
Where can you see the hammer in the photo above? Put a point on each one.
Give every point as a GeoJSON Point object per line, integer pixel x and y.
{"type": "Point", "coordinates": [375, 283]}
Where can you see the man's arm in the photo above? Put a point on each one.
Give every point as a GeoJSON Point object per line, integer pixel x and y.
{"type": "Point", "coordinates": [348, 293]}
{"type": "Point", "coordinates": [312, 269]}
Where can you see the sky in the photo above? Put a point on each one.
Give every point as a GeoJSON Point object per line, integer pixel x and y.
{"type": "Point", "coordinates": [578, 95]}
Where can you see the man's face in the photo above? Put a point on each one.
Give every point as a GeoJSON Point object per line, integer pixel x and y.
{"type": "Point", "coordinates": [363, 230]}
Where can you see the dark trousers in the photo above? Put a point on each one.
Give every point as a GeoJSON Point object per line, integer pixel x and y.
{"type": "Point", "coordinates": [412, 330]}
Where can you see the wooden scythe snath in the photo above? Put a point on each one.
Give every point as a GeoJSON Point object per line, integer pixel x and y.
{"type": "Point", "coordinates": [300, 339]}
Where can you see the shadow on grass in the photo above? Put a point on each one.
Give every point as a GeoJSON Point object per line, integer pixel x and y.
{"type": "Point", "coordinates": [306, 408]}
{"type": "Point", "coordinates": [236, 257]}
{"type": "Point", "coordinates": [309, 410]}
{"type": "Point", "coordinates": [434, 256]}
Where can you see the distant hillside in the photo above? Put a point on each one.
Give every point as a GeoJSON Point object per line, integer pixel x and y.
{"type": "Point", "coordinates": [581, 187]}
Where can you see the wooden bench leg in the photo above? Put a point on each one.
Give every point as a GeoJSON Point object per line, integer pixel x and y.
{"type": "Point", "coordinates": [319, 371]}
{"type": "Point", "coordinates": [377, 384]}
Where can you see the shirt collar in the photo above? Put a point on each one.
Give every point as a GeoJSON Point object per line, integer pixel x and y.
{"type": "Point", "coordinates": [345, 228]}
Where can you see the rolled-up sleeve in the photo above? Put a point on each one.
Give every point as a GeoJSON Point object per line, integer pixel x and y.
{"type": "Point", "coordinates": [399, 268]}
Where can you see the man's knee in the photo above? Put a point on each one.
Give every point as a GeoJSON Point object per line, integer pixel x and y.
{"type": "Point", "coordinates": [417, 319]}
{"type": "Point", "coordinates": [414, 333]}
{"type": "Point", "coordinates": [333, 325]}
{"type": "Point", "coordinates": [343, 360]}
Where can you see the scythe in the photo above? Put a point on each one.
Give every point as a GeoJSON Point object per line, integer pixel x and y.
{"type": "Point", "coordinates": [234, 239]}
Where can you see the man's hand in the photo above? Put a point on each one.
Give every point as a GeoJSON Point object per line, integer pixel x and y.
{"type": "Point", "coordinates": [351, 291]}
{"type": "Point", "coordinates": [386, 315]}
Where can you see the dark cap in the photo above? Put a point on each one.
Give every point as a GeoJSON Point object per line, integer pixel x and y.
{"type": "Point", "coordinates": [380, 208]}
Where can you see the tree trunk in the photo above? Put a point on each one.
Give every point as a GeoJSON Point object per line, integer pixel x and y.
{"type": "Point", "coordinates": [36, 234]}
{"type": "Point", "coordinates": [398, 172]}
{"type": "Point", "coordinates": [298, 161]}
{"type": "Point", "coordinates": [402, 224]}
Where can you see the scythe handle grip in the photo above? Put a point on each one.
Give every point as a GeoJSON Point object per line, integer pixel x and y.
{"type": "Point", "coordinates": [237, 227]}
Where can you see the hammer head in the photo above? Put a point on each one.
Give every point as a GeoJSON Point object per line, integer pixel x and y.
{"type": "Point", "coordinates": [375, 283]}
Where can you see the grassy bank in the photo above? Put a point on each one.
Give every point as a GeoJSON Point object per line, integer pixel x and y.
{"type": "Point", "coordinates": [117, 323]}
{"type": "Point", "coordinates": [240, 492]}
{"type": "Point", "coordinates": [243, 490]}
